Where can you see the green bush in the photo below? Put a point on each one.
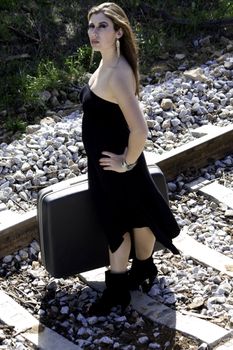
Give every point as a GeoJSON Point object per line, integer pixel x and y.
{"type": "Point", "coordinates": [47, 77]}
{"type": "Point", "coordinates": [54, 76]}
{"type": "Point", "coordinates": [15, 124]}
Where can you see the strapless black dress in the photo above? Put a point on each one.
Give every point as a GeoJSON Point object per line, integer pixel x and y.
{"type": "Point", "coordinates": [123, 200]}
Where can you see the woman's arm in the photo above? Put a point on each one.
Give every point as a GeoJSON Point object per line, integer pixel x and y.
{"type": "Point", "coordinates": [122, 88]}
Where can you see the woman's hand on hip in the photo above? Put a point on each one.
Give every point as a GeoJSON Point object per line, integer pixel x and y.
{"type": "Point", "coordinates": [113, 161]}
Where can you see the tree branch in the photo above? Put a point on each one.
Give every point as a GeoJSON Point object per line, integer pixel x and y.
{"type": "Point", "coordinates": [15, 57]}
{"type": "Point", "coordinates": [24, 35]}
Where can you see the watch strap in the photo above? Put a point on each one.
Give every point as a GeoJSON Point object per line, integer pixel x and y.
{"type": "Point", "coordinates": [127, 166]}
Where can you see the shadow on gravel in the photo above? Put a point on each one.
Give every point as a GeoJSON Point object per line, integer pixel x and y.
{"type": "Point", "coordinates": [146, 324]}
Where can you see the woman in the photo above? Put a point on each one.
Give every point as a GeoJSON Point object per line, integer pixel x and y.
{"type": "Point", "coordinates": [132, 211]}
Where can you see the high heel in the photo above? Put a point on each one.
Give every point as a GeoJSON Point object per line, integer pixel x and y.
{"type": "Point", "coordinates": [116, 293]}
{"type": "Point", "coordinates": [142, 274]}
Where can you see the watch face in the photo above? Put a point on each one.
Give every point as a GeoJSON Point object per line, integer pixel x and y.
{"type": "Point", "coordinates": [124, 164]}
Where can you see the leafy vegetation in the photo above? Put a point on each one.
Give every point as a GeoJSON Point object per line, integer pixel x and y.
{"type": "Point", "coordinates": [44, 43]}
{"type": "Point", "coordinates": [15, 124]}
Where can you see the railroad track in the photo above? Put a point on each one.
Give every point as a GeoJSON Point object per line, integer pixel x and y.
{"type": "Point", "coordinates": [17, 231]}
{"type": "Point", "coordinates": [212, 143]}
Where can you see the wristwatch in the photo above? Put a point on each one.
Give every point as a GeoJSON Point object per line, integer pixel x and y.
{"type": "Point", "coordinates": [127, 166]}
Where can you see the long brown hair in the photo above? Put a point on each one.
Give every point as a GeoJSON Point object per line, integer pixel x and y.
{"type": "Point", "coordinates": [127, 42]}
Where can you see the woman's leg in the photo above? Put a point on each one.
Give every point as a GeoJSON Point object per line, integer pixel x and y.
{"type": "Point", "coordinates": [143, 270]}
{"type": "Point", "coordinates": [116, 279]}
{"type": "Point", "coordinates": [119, 259]}
{"type": "Point", "coordinates": [144, 241]}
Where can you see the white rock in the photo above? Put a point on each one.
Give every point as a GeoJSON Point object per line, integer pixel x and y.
{"type": "Point", "coordinates": [19, 176]}
{"type": "Point", "coordinates": [120, 319]}
{"type": "Point", "coordinates": [180, 56]}
{"type": "Point", "coordinates": [143, 340]}
{"type": "Point", "coordinates": [175, 122]}
{"type": "Point", "coordinates": [30, 129]}
{"type": "Point", "coordinates": [228, 64]}
{"type": "Point", "coordinates": [155, 290]}
{"type": "Point", "coordinates": [154, 346]}
{"type": "Point", "coordinates": [25, 166]}
{"type": "Point", "coordinates": [5, 194]}
{"type": "Point", "coordinates": [172, 186]}
{"type": "Point", "coordinates": [159, 119]}
{"type": "Point", "coordinates": [35, 245]}
{"type": "Point", "coordinates": [215, 300]}
{"type": "Point", "coordinates": [64, 310]}
{"type": "Point", "coordinates": [8, 259]}
{"type": "Point", "coordinates": [3, 206]}
{"type": "Point", "coordinates": [83, 331]}
{"type": "Point", "coordinates": [23, 254]}
{"type": "Point", "coordinates": [167, 104]}
{"type": "Point", "coordinates": [106, 340]}
{"type": "Point", "coordinates": [169, 299]}
{"type": "Point", "coordinates": [166, 124]}
{"type": "Point", "coordinates": [196, 74]}
{"type": "Point", "coordinates": [23, 196]}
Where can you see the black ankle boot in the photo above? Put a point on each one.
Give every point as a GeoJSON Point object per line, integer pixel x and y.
{"type": "Point", "coordinates": [116, 293]}
{"type": "Point", "coordinates": [142, 274]}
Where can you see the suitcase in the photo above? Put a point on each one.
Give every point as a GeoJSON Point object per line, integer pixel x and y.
{"type": "Point", "coordinates": [71, 237]}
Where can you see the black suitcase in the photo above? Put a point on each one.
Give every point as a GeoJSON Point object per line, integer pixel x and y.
{"type": "Point", "coordinates": [71, 238]}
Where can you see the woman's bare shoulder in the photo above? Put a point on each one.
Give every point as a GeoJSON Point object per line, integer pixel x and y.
{"type": "Point", "coordinates": [123, 74]}
{"type": "Point", "coordinates": [93, 77]}
{"type": "Point", "coordinates": [124, 67]}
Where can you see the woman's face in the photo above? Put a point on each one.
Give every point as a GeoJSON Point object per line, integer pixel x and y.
{"type": "Point", "coordinates": [101, 32]}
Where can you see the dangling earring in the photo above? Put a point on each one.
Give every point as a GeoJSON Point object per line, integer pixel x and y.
{"type": "Point", "coordinates": [118, 48]}
{"type": "Point", "coordinates": [92, 56]}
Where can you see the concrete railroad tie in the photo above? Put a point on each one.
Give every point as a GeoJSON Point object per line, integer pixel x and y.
{"type": "Point", "coordinates": [200, 329]}
{"type": "Point", "coordinates": [13, 314]}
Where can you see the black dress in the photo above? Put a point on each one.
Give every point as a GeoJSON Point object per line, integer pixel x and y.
{"type": "Point", "coordinates": [123, 200]}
